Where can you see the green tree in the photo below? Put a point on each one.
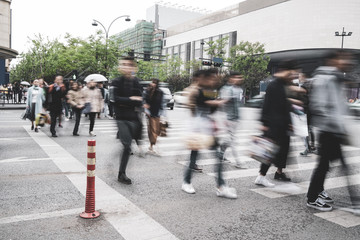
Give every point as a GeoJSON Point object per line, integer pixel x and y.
{"type": "Point", "coordinates": [251, 61]}
{"type": "Point", "coordinates": [217, 48]}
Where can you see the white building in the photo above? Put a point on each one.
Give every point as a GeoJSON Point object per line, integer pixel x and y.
{"type": "Point", "coordinates": [300, 29]}
{"type": "Point", "coordinates": [166, 16]}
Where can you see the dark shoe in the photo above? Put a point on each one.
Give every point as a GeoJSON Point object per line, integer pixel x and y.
{"type": "Point", "coordinates": [319, 204]}
{"type": "Point", "coordinates": [32, 127]}
{"type": "Point", "coordinates": [60, 126]}
{"type": "Point", "coordinates": [196, 168]}
{"type": "Point", "coordinates": [124, 179]}
{"type": "Point", "coordinates": [76, 134]}
{"type": "Point", "coordinates": [36, 130]}
{"type": "Point", "coordinates": [325, 197]}
{"type": "Point", "coordinates": [281, 177]}
{"type": "Point", "coordinates": [54, 135]}
{"type": "Point", "coordinates": [304, 153]}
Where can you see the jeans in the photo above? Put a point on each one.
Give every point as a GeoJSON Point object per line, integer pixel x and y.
{"type": "Point", "coordinates": [92, 116]}
{"type": "Point", "coordinates": [77, 112]}
{"type": "Point", "coordinates": [218, 167]}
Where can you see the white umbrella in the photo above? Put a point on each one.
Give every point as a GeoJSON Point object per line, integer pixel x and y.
{"type": "Point", "coordinates": [95, 78]}
{"type": "Point", "coordinates": [25, 83]}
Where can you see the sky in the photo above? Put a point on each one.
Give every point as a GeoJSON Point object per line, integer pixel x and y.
{"type": "Point", "coordinates": [55, 18]}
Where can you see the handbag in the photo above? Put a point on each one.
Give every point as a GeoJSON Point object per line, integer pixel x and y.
{"type": "Point", "coordinates": [299, 122]}
{"type": "Point", "coordinates": [87, 108]}
{"type": "Point", "coordinates": [263, 149]}
{"type": "Point", "coordinates": [26, 114]}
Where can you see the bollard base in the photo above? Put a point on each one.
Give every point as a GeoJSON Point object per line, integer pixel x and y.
{"type": "Point", "coordinates": [90, 215]}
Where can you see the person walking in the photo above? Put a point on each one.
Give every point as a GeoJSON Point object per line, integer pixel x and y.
{"type": "Point", "coordinates": [276, 120]}
{"type": "Point", "coordinates": [76, 100]}
{"type": "Point", "coordinates": [328, 115]}
{"type": "Point", "coordinates": [203, 125]}
{"type": "Point", "coordinates": [34, 102]}
{"type": "Point", "coordinates": [56, 92]}
{"type": "Point", "coordinates": [125, 96]}
{"type": "Point", "coordinates": [232, 93]}
{"type": "Point", "coordinates": [93, 97]}
{"type": "Point", "coordinates": [153, 107]}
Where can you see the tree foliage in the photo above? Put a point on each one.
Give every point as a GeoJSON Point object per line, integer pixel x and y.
{"type": "Point", "coordinates": [217, 48]}
{"type": "Point", "coordinates": [251, 61]}
{"type": "Point", "coordinates": [47, 58]}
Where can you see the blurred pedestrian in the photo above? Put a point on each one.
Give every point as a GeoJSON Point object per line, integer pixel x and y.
{"type": "Point", "coordinates": [35, 101]}
{"type": "Point", "coordinates": [204, 127]}
{"type": "Point", "coordinates": [76, 101]}
{"type": "Point", "coordinates": [56, 93]}
{"type": "Point", "coordinates": [92, 96]}
{"type": "Point", "coordinates": [276, 120]}
{"type": "Point", "coordinates": [233, 94]}
{"type": "Point", "coordinates": [153, 107]}
{"type": "Point", "coordinates": [125, 96]}
{"type": "Point", "coordinates": [329, 110]}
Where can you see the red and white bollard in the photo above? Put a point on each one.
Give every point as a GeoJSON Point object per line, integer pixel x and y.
{"type": "Point", "coordinates": [90, 186]}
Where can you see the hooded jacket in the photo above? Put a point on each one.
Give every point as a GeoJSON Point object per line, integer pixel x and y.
{"type": "Point", "coordinates": [327, 100]}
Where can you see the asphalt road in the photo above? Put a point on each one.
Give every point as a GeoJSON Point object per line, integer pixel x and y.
{"type": "Point", "coordinates": [43, 182]}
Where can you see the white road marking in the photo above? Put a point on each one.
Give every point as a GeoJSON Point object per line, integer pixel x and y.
{"type": "Point", "coordinates": [343, 218]}
{"type": "Point", "coordinates": [130, 221]}
{"type": "Point", "coordinates": [283, 190]}
{"type": "Point", "coordinates": [23, 159]}
{"type": "Point", "coordinates": [37, 216]}
{"type": "Point", "coordinates": [289, 168]}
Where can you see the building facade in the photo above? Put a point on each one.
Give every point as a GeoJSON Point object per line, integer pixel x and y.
{"type": "Point", "coordinates": [299, 29]}
{"type": "Point", "coordinates": [6, 52]}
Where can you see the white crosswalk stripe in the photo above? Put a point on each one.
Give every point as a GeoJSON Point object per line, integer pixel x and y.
{"type": "Point", "coordinates": [174, 145]}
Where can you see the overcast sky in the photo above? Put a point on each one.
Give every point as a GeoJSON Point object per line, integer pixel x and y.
{"type": "Point", "coordinates": [53, 18]}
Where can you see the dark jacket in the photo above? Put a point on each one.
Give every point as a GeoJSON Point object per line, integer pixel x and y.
{"type": "Point", "coordinates": [276, 110]}
{"type": "Point", "coordinates": [54, 98]}
{"type": "Point", "coordinates": [155, 101]}
{"type": "Point", "coordinates": [120, 92]}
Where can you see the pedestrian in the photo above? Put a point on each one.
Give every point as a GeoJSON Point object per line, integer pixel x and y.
{"type": "Point", "coordinates": [204, 127]}
{"type": "Point", "coordinates": [276, 120]}
{"type": "Point", "coordinates": [76, 101]}
{"type": "Point", "coordinates": [233, 94]}
{"type": "Point", "coordinates": [328, 115]}
{"type": "Point", "coordinates": [153, 107]}
{"type": "Point", "coordinates": [125, 96]}
{"type": "Point", "coordinates": [56, 93]}
{"type": "Point", "coordinates": [34, 102]}
{"type": "Point", "coordinates": [92, 96]}
{"type": "Point", "coordinates": [100, 86]}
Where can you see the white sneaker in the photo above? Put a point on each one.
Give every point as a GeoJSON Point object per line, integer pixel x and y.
{"type": "Point", "coordinates": [262, 180]}
{"type": "Point", "coordinates": [92, 134]}
{"type": "Point", "coordinates": [188, 188]}
{"type": "Point", "coordinates": [226, 192]}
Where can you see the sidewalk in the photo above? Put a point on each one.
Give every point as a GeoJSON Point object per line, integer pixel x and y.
{"type": "Point", "coordinates": [9, 106]}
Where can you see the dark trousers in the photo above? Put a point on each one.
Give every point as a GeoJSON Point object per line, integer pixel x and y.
{"type": "Point", "coordinates": [54, 115]}
{"type": "Point", "coordinates": [77, 112]}
{"type": "Point", "coordinates": [111, 111]}
{"type": "Point", "coordinates": [281, 157]}
{"type": "Point", "coordinates": [92, 116]}
{"type": "Point", "coordinates": [126, 133]}
{"type": "Point", "coordinates": [330, 149]}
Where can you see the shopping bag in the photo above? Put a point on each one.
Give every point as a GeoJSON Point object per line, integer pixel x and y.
{"type": "Point", "coordinates": [26, 114]}
{"type": "Point", "coordinates": [201, 134]}
{"type": "Point", "coordinates": [263, 149]}
{"type": "Point", "coordinates": [299, 123]}
{"type": "Point", "coordinates": [87, 108]}
{"type": "Point", "coordinates": [41, 119]}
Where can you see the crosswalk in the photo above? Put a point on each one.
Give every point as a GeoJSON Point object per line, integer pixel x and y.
{"type": "Point", "coordinates": [173, 147]}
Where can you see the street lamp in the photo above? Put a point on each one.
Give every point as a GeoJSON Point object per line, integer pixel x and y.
{"type": "Point", "coordinates": [342, 35]}
{"type": "Point", "coordinates": [96, 23]}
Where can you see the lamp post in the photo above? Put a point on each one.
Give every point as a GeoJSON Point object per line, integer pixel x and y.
{"type": "Point", "coordinates": [96, 22]}
{"type": "Point", "coordinates": [342, 35]}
